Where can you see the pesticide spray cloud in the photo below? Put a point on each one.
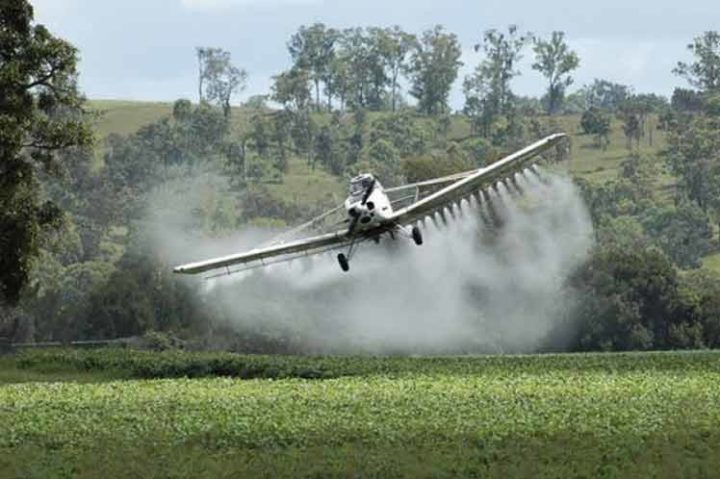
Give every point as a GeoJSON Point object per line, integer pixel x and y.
{"type": "Point", "coordinates": [491, 280]}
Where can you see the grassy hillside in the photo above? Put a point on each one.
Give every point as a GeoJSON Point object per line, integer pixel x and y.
{"type": "Point", "coordinates": [598, 164]}
{"type": "Point", "coordinates": [300, 185]}
{"type": "Point", "coordinates": [613, 415]}
{"type": "Point", "coordinates": [303, 185]}
{"type": "Point", "coordinates": [124, 117]}
{"type": "Point", "coordinates": [306, 186]}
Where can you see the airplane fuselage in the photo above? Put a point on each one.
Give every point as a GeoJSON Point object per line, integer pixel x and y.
{"type": "Point", "coordinates": [368, 205]}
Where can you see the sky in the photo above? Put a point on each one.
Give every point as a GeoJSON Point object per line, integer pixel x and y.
{"type": "Point", "coordinates": [145, 49]}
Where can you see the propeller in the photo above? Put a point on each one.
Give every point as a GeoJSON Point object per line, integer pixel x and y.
{"type": "Point", "coordinates": [368, 192]}
{"type": "Point", "coordinates": [356, 218]}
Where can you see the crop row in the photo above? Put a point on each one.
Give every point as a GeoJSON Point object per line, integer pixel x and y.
{"type": "Point", "coordinates": [648, 415]}
{"type": "Point", "coordinates": [414, 409]}
{"type": "Point", "coordinates": [176, 364]}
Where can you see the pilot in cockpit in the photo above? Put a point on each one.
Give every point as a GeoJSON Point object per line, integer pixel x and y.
{"type": "Point", "coordinates": [360, 184]}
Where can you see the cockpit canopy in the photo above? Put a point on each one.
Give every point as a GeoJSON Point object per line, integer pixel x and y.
{"type": "Point", "coordinates": [360, 184]}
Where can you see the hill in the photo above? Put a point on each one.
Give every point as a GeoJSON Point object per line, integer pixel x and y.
{"type": "Point", "coordinates": [301, 184]}
{"type": "Point", "coordinates": [587, 161]}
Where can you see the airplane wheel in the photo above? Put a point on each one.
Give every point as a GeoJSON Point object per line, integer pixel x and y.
{"type": "Point", "coordinates": [342, 259]}
{"type": "Point", "coordinates": [417, 235]}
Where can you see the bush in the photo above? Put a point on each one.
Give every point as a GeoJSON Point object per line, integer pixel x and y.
{"type": "Point", "coordinates": [159, 341]}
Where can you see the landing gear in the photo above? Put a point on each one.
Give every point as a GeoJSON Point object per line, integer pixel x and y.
{"type": "Point", "coordinates": [344, 264]}
{"type": "Point", "coordinates": [417, 235]}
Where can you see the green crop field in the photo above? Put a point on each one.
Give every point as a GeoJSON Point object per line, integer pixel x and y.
{"type": "Point", "coordinates": [223, 415]}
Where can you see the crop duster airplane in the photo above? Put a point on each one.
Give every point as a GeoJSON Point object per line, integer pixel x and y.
{"type": "Point", "coordinates": [368, 212]}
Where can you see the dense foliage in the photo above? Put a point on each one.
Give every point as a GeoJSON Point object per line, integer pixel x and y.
{"type": "Point", "coordinates": [40, 114]}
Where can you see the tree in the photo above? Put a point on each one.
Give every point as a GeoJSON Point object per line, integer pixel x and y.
{"type": "Point", "coordinates": [257, 102]}
{"type": "Point", "coordinates": [622, 231]}
{"type": "Point", "coordinates": [703, 286]}
{"type": "Point", "coordinates": [282, 124]}
{"type": "Point", "coordinates": [435, 62]}
{"type": "Point", "coordinates": [303, 132]}
{"type": "Point", "coordinates": [363, 68]}
{"type": "Point", "coordinates": [408, 136]}
{"type": "Point", "coordinates": [209, 64]}
{"type": "Point", "coordinates": [235, 165]}
{"type": "Point", "coordinates": [222, 77]}
{"type": "Point", "coordinates": [555, 61]}
{"type": "Point", "coordinates": [139, 296]}
{"type": "Point", "coordinates": [606, 95]}
{"type": "Point", "coordinates": [356, 140]}
{"type": "Point", "coordinates": [643, 173]}
{"type": "Point", "coordinates": [137, 163]}
{"type": "Point", "coordinates": [595, 122]}
{"type": "Point", "coordinates": [291, 89]}
{"type": "Point", "coordinates": [575, 102]}
{"type": "Point", "coordinates": [312, 49]}
{"type": "Point", "coordinates": [203, 65]}
{"type": "Point", "coordinates": [693, 154]}
{"type": "Point", "coordinates": [338, 81]}
{"type": "Point", "coordinates": [64, 302]}
{"type": "Point", "coordinates": [477, 105]}
{"type": "Point", "coordinates": [682, 232]}
{"type": "Point", "coordinates": [628, 301]}
{"type": "Point", "coordinates": [634, 111]}
{"type": "Point", "coordinates": [704, 72]}
{"type": "Point", "coordinates": [326, 150]}
{"type": "Point", "coordinates": [394, 46]}
{"type": "Point", "coordinates": [40, 114]}
{"type": "Point", "coordinates": [384, 162]}
{"type": "Point", "coordinates": [487, 91]}
{"type": "Point", "coordinates": [260, 132]}
{"type": "Point", "coordinates": [686, 101]}
{"type": "Point", "coordinates": [632, 128]}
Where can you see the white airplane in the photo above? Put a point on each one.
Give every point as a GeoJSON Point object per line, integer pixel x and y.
{"type": "Point", "coordinates": [369, 213]}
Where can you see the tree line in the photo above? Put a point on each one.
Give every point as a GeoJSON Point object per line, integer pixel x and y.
{"type": "Point", "coordinates": [368, 68]}
{"type": "Point", "coordinates": [644, 287]}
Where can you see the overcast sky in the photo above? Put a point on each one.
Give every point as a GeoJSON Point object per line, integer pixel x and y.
{"type": "Point", "coordinates": [144, 49]}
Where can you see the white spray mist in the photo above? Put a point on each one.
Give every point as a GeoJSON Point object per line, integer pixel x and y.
{"type": "Point", "coordinates": [492, 280]}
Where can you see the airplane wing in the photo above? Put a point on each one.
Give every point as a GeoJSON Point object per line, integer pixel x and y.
{"type": "Point", "coordinates": [432, 182]}
{"type": "Point", "coordinates": [313, 244]}
{"type": "Point", "coordinates": [471, 183]}
{"type": "Point", "coordinates": [462, 185]}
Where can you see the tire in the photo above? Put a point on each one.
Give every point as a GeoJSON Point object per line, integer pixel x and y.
{"type": "Point", "coordinates": [417, 236]}
{"type": "Point", "coordinates": [344, 265]}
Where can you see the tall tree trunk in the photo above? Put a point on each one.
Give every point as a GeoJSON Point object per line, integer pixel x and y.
{"type": "Point", "coordinates": [394, 89]}
{"type": "Point", "coordinates": [226, 108]}
{"type": "Point", "coordinates": [244, 158]}
{"type": "Point", "coordinates": [317, 95]}
{"type": "Point", "coordinates": [200, 77]}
